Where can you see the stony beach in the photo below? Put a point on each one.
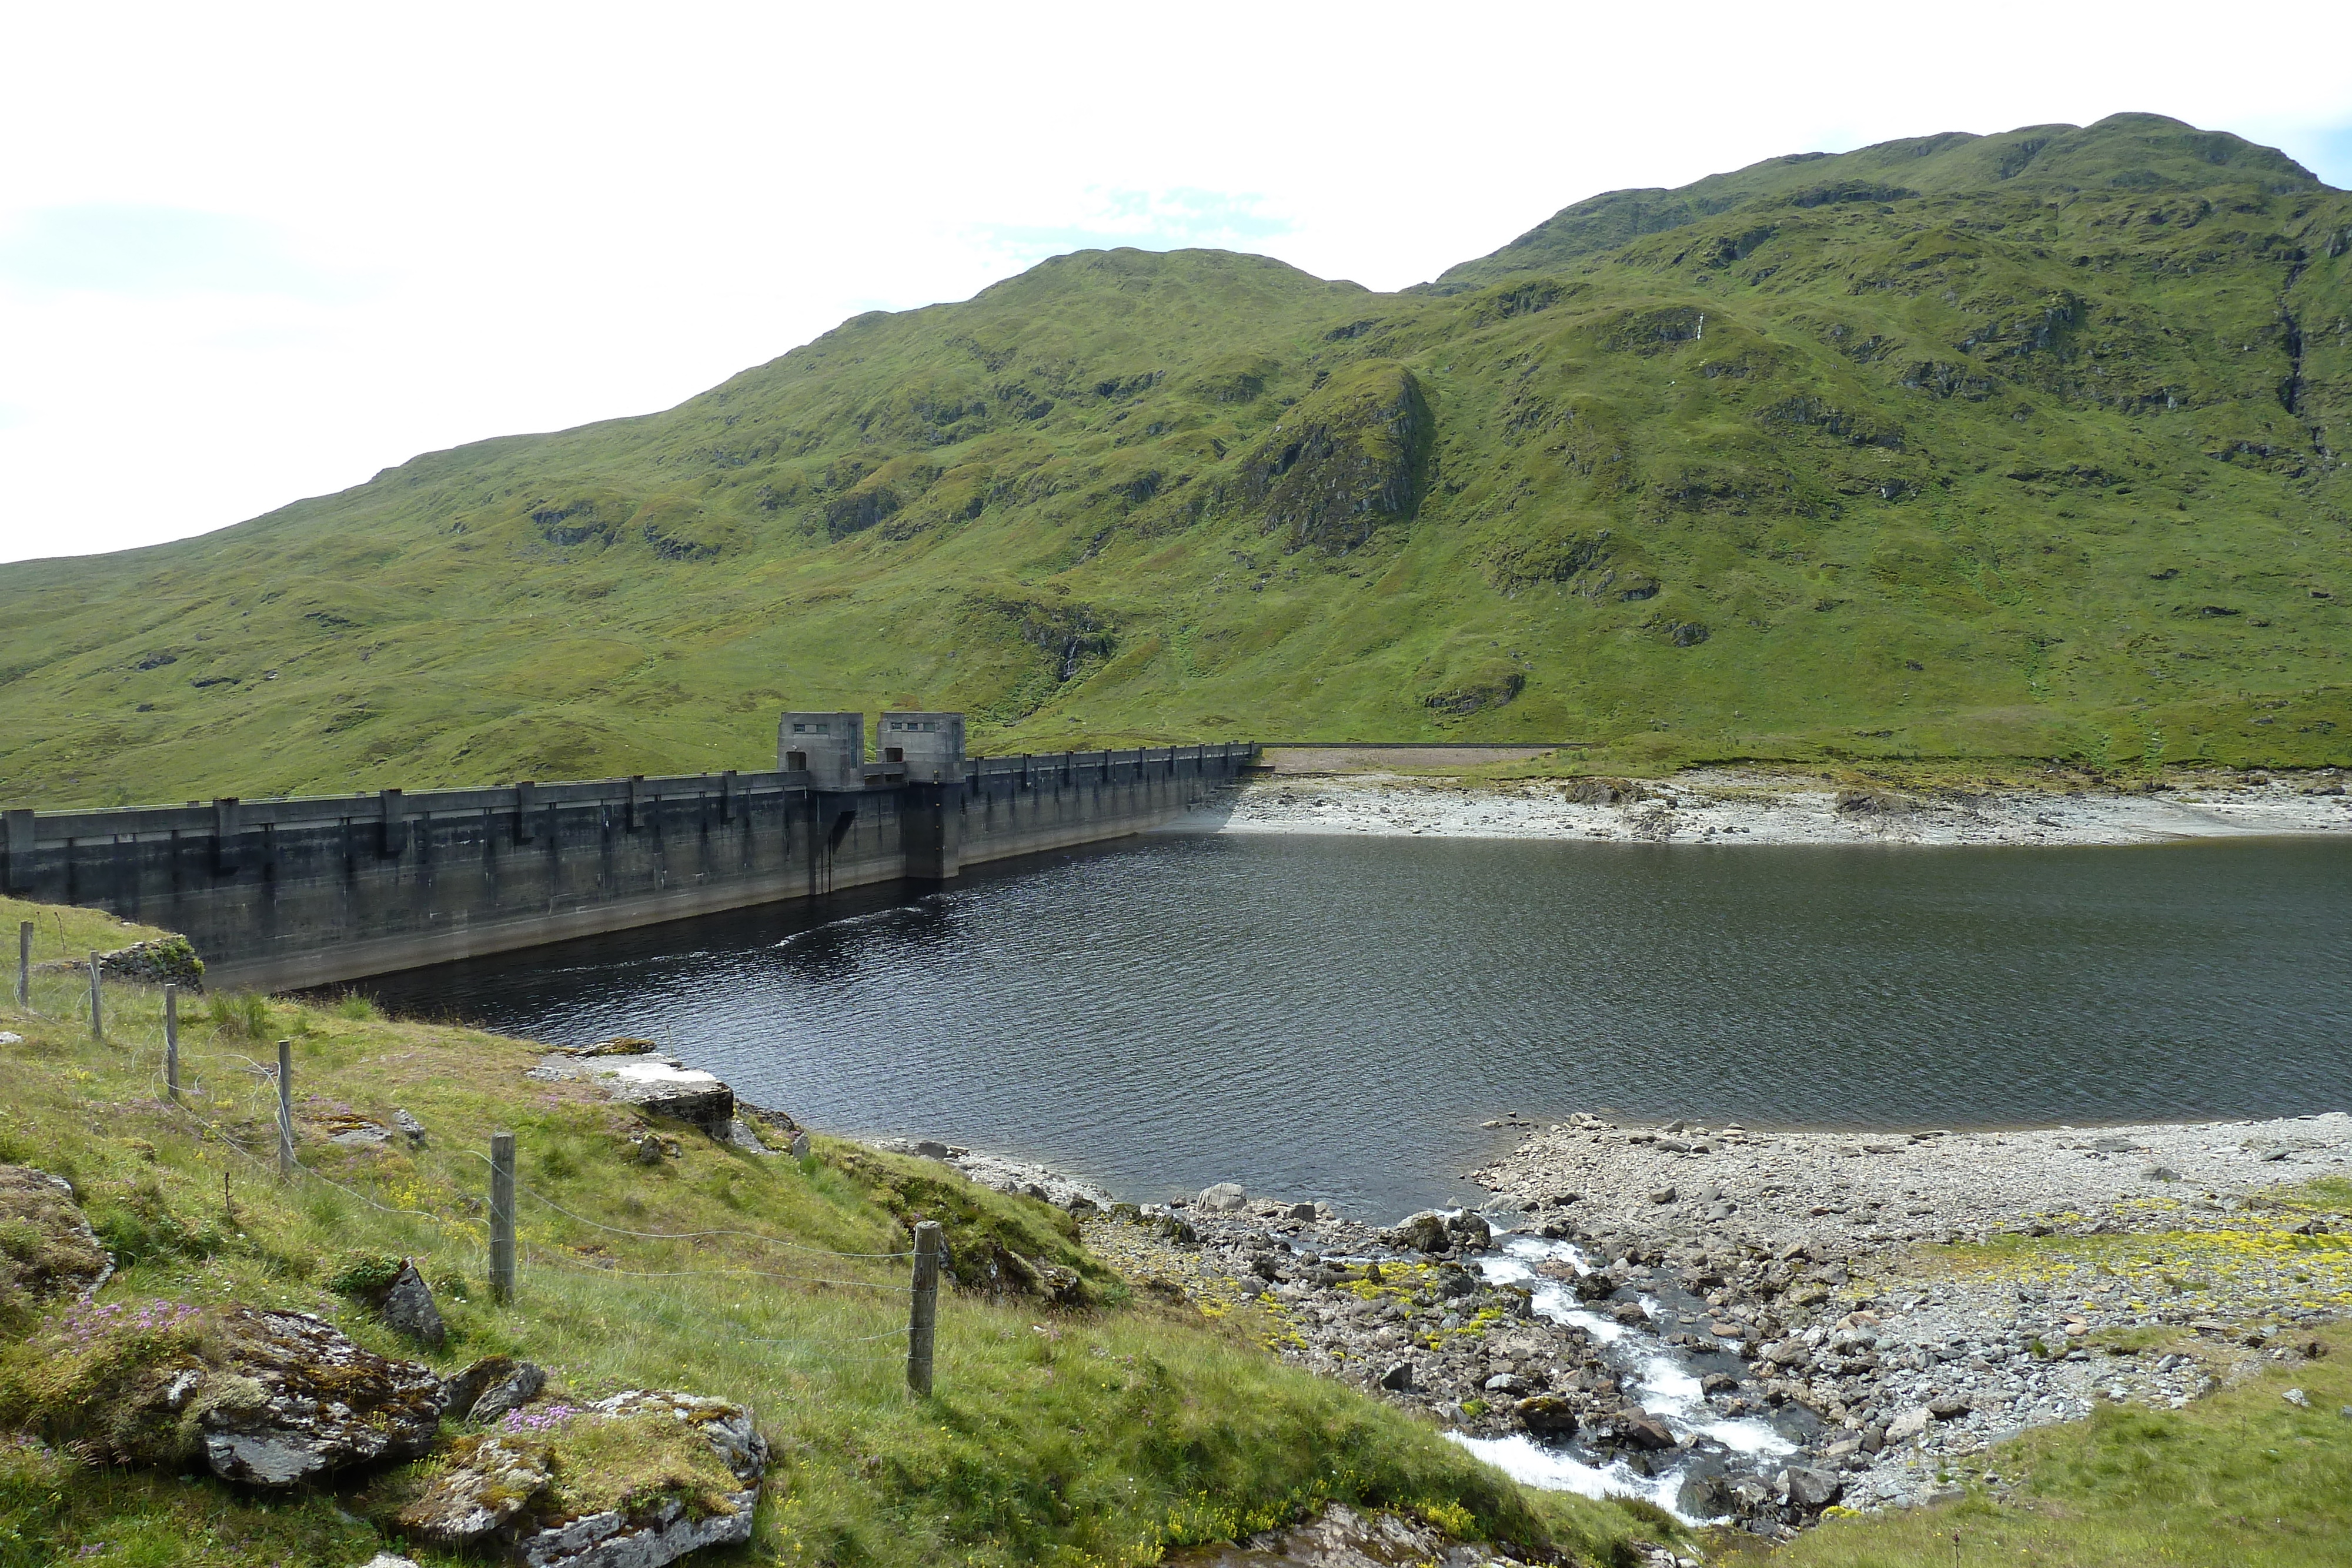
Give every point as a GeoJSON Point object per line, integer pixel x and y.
{"type": "Point", "coordinates": [1761, 1326]}
{"type": "Point", "coordinates": [1734, 806]}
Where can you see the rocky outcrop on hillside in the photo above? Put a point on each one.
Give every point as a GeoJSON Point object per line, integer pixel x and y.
{"type": "Point", "coordinates": [1350, 455]}
{"type": "Point", "coordinates": [657, 1084]}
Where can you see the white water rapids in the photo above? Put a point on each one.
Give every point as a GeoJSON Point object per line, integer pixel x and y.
{"type": "Point", "coordinates": [1648, 1370]}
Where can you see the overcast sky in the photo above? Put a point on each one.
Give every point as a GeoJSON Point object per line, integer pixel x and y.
{"type": "Point", "coordinates": [249, 253]}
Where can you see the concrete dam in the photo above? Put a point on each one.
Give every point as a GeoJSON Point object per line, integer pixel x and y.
{"type": "Point", "coordinates": [281, 894]}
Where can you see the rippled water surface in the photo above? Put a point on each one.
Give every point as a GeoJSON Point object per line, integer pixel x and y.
{"type": "Point", "coordinates": [1325, 1017]}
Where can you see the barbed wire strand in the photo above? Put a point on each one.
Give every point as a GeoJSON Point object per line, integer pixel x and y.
{"type": "Point", "coordinates": [600, 1270]}
{"type": "Point", "coordinates": [691, 1235]}
{"type": "Point", "coordinates": [205, 1126]}
{"type": "Point", "coordinates": [534, 1256]}
{"type": "Point", "coordinates": [466, 1227]}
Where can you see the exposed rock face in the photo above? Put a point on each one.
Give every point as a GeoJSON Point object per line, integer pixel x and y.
{"type": "Point", "coordinates": [491, 1387]}
{"type": "Point", "coordinates": [615, 1539]}
{"type": "Point", "coordinates": [47, 1247]}
{"type": "Point", "coordinates": [658, 1085]}
{"type": "Point", "coordinates": [293, 1399]}
{"type": "Point", "coordinates": [1350, 455]}
{"type": "Point", "coordinates": [409, 1309]}
{"type": "Point", "coordinates": [534, 1491]}
{"type": "Point", "coordinates": [489, 1482]}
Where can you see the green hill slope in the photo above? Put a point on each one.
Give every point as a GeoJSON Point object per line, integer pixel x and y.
{"type": "Point", "coordinates": [1967, 446]}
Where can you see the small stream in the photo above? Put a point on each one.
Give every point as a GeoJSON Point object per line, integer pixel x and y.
{"type": "Point", "coordinates": [1664, 1379]}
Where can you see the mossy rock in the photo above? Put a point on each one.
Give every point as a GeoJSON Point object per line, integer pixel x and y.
{"type": "Point", "coordinates": [996, 1244]}
{"type": "Point", "coordinates": [272, 1399]}
{"type": "Point", "coordinates": [638, 1477]}
{"type": "Point", "coordinates": [47, 1247]}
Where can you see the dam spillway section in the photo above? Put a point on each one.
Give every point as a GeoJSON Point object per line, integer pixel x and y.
{"type": "Point", "coordinates": [281, 894]}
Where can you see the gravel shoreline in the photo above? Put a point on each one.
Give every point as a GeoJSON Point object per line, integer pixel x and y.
{"type": "Point", "coordinates": [1756, 1326]}
{"type": "Point", "coordinates": [1744, 806]}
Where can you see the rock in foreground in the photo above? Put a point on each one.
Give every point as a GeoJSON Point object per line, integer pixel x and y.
{"type": "Point", "coordinates": [271, 1399]}
{"type": "Point", "coordinates": [634, 1480]}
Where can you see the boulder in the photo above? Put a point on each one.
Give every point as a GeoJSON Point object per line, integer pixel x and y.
{"type": "Point", "coordinates": [1225, 1197]}
{"type": "Point", "coordinates": [559, 1492]}
{"type": "Point", "coordinates": [1547, 1416]}
{"type": "Point", "coordinates": [1397, 1377]}
{"type": "Point", "coordinates": [56, 1253]}
{"type": "Point", "coordinates": [740, 1133]}
{"type": "Point", "coordinates": [1300, 1211]}
{"type": "Point", "coordinates": [410, 1128]}
{"type": "Point", "coordinates": [1425, 1232]}
{"type": "Point", "coordinates": [649, 1534]}
{"type": "Point", "coordinates": [408, 1308]}
{"type": "Point", "coordinates": [1909, 1424]}
{"type": "Point", "coordinates": [491, 1387]}
{"type": "Point", "coordinates": [1471, 1230]}
{"type": "Point", "coordinates": [1638, 1428]}
{"type": "Point", "coordinates": [1594, 1287]}
{"type": "Point", "coordinates": [656, 1084]}
{"type": "Point", "coordinates": [1173, 1227]}
{"type": "Point", "coordinates": [1809, 1489]}
{"type": "Point", "coordinates": [485, 1485]}
{"type": "Point", "coordinates": [1704, 1497]}
{"type": "Point", "coordinates": [291, 1399]}
{"type": "Point", "coordinates": [1950, 1407]}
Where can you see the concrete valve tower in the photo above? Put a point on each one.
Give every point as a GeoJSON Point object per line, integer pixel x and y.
{"type": "Point", "coordinates": [829, 746]}
{"type": "Point", "coordinates": [929, 744]}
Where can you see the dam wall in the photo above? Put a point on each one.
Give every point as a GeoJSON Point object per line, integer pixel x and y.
{"type": "Point", "coordinates": [306, 891]}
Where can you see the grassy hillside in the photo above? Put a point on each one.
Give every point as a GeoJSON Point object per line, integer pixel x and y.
{"type": "Point", "coordinates": [1094, 1436]}
{"type": "Point", "coordinates": [2011, 446]}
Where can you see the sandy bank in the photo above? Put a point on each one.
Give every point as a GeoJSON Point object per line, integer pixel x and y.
{"type": "Point", "coordinates": [1734, 806]}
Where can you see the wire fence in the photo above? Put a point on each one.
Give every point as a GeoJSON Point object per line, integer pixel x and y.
{"type": "Point", "coordinates": [472, 1243]}
{"type": "Point", "coordinates": [476, 1238]}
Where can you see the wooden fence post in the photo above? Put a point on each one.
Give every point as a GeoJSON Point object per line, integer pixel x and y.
{"type": "Point", "coordinates": [25, 964]}
{"type": "Point", "coordinates": [172, 1041]}
{"type": "Point", "coordinates": [923, 1324]}
{"type": "Point", "coordinates": [97, 1023]}
{"type": "Point", "coordinates": [285, 1109]}
{"type": "Point", "coordinates": [502, 1230]}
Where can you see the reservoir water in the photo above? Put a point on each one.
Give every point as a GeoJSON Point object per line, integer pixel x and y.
{"type": "Point", "coordinates": [1333, 1017]}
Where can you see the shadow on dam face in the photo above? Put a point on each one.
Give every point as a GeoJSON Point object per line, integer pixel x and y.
{"type": "Point", "coordinates": [278, 894]}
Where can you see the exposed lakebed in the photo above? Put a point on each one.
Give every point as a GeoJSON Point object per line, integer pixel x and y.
{"type": "Point", "coordinates": [1335, 1019]}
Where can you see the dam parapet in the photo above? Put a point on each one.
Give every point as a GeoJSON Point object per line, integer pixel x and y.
{"type": "Point", "coordinates": [309, 890]}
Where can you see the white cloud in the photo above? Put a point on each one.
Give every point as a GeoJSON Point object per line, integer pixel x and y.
{"type": "Point", "coordinates": [250, 253]}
